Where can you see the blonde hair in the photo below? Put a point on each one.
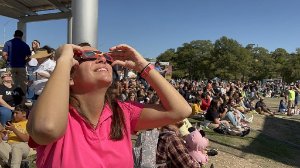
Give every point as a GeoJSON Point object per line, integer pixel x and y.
{"type": "Point", "coordinates": [3, 74]}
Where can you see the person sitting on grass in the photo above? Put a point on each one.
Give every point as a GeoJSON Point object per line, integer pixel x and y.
{"type": "Point", "coordinates": [16, 148]}
{"type": "Point", "coordinates": [262, 108]}
{"type": "Point", "coordinates": [215, 115]}
{"type": "Point", "coordinates": [205, 101]}
{"type": "Point", "coordinates": [235, 116]}
{"type": "Point", "coordinates": [171, 150]}
{"type": "Point", "coordinates": [240, 105]}
{"type": "Point", "coordinates": [196, 107]}
{"type": "Point", "coordinates": [282, 106]}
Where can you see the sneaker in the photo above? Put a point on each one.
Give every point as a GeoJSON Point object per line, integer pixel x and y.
{"type": "Point", "coordinates": [246, 132]}
{"type": "Point", "coordinates": [234, 132]}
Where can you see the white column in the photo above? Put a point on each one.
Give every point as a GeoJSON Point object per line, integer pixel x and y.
{"type": "Point", "coordinates": [22, 26]}
{"type": "Point", "coordinates": [85, 22]}
{"type": "Point", "coordinates": [70, 20]}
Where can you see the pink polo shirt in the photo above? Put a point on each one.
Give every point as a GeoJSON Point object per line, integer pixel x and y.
{"type": "Point", "coordinates": [84, 146]}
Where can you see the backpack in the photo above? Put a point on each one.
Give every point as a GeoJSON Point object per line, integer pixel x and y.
{"type": "Point", "coordinates": [221, 129]}
{"type": "Point", "coordinates": [144, 151]}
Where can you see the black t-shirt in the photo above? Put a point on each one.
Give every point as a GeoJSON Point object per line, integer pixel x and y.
{"type": "Point", "coordinates": [211, 115]}
{"type": "Point", "coordinates": [12, 96]}
{"type": "Point", "coordinates": [259, 104]}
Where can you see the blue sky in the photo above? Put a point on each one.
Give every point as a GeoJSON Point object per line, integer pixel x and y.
{"type": "Point", "coordinates": [157, 25]}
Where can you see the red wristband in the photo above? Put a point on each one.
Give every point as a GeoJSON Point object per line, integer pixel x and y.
{"type": "Point", "coordinates": [146, 70]}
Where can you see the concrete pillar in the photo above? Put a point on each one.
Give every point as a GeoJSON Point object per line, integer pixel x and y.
{"type": "Point", "coordinates": [85, 22]}
{"type": "Point", "coordinates": [22, 26]}
{"type": "Point", "coordinates": [70, 20]}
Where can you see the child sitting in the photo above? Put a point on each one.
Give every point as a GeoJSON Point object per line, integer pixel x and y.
{"type": "Point", "coordinates": [16, 148]}
{"type": "Point", "coordinates": [282, 106]}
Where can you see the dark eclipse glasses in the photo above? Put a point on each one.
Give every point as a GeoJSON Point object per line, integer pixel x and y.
{"type": "Point", "coordinates": [90, 55]}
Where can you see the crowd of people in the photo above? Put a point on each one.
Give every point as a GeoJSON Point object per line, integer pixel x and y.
{"type": "Point", "coordinates": [86, 106]}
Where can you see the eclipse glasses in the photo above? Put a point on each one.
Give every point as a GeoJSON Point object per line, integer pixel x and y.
{"type": "Point", "coordinates": [90, 55]}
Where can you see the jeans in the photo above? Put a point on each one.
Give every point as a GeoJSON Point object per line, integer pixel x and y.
{"type": "Point", "coordinates": [31, 77]}
{"type": "Point", "coordinates": [5, 115]}
{"type": "Point", "coordinates": [233, 119]}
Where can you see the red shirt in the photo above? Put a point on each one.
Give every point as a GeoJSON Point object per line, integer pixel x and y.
{"type": "Point", "coordinates": [205, 103]}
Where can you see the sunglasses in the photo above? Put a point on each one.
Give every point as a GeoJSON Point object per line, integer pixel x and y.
{"type": "Point", "coordinates": [89, 55]}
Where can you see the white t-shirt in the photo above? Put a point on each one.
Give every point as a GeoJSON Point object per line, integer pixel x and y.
{"type": "Point", "coordinates": [40, 82]}
{"type": "Point", "coordinates": [33, 62]}
{"type": "Point", "coordinates": [46, 67]}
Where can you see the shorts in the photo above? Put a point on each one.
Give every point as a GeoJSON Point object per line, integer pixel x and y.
{"type": "Point", "coordinates": [291, 103]}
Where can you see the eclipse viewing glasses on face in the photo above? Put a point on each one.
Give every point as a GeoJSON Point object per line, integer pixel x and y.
{"type": "Point", "coordinates": [90, 55]}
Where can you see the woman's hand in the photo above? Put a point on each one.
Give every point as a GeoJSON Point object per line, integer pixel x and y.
{"type": "Point", "coordinates": [66, 52]}
{"type": "Point", "coordinates": [128, 57]}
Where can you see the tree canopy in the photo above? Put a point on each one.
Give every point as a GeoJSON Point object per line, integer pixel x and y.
{"type": "Point", "coordinates": [229, 60]}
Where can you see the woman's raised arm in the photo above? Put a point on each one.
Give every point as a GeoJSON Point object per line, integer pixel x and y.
{"type": "Point", "coordinates": [173, 106]}
{"type": "Point", "coordinates": [48, 118]}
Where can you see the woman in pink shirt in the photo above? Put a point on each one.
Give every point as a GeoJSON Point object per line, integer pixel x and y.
{"type": "Point", "coordinates": [77, 122]}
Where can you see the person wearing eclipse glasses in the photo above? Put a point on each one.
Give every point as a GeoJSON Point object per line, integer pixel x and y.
{"type": "Point", "coordinates": [78, 121]}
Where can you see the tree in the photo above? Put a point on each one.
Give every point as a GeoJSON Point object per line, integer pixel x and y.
{"type": "Point", "coordinates": [194, 58]}
{"type": "Point", "coordinates": [167, 56]}
{"type": "Point", "coordinates": [280, 57]}
{"type": "Point", "coordinates": [290, 69]}
{"type": "Point", "coordinates": [231, 59]}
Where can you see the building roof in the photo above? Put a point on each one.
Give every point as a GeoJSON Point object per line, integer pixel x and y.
{"type": "Point", "coordinates": [31, 10]}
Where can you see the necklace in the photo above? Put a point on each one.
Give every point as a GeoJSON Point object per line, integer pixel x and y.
{"type": "Point", "coordinates": [76, 104]}
{"type": "Point", "coordinates": [86, 119]}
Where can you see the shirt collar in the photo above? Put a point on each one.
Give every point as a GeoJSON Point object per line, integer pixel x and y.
{"type": "Point", "coordinates": [106, 113]}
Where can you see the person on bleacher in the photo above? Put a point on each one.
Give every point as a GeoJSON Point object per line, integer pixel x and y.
{"type": "Point", "coordinates": [16, 52]}
{"type": "Point", "coordinates": [16, 148]}
{"type": "Point", "coordinates": [10, 97]}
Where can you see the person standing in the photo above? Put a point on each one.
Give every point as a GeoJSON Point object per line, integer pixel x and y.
{"type": "Point", "coordinates": [159, 69]}
{"type": "Point", "coordinates": [297, 91]}
{"type": "Point", "coordinates": [16, 52]}
{"type": "Point", "coordinates": [291, 99]}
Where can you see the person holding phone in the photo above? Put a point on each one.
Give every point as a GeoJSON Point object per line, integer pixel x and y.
{"type": "Point", "coordinates": [16, 148]}
{"type": "Point", "coordinates": [77, 118]}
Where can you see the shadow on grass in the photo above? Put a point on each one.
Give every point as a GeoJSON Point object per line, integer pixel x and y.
{"type": "Point", "coordinates": [279, 140]}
